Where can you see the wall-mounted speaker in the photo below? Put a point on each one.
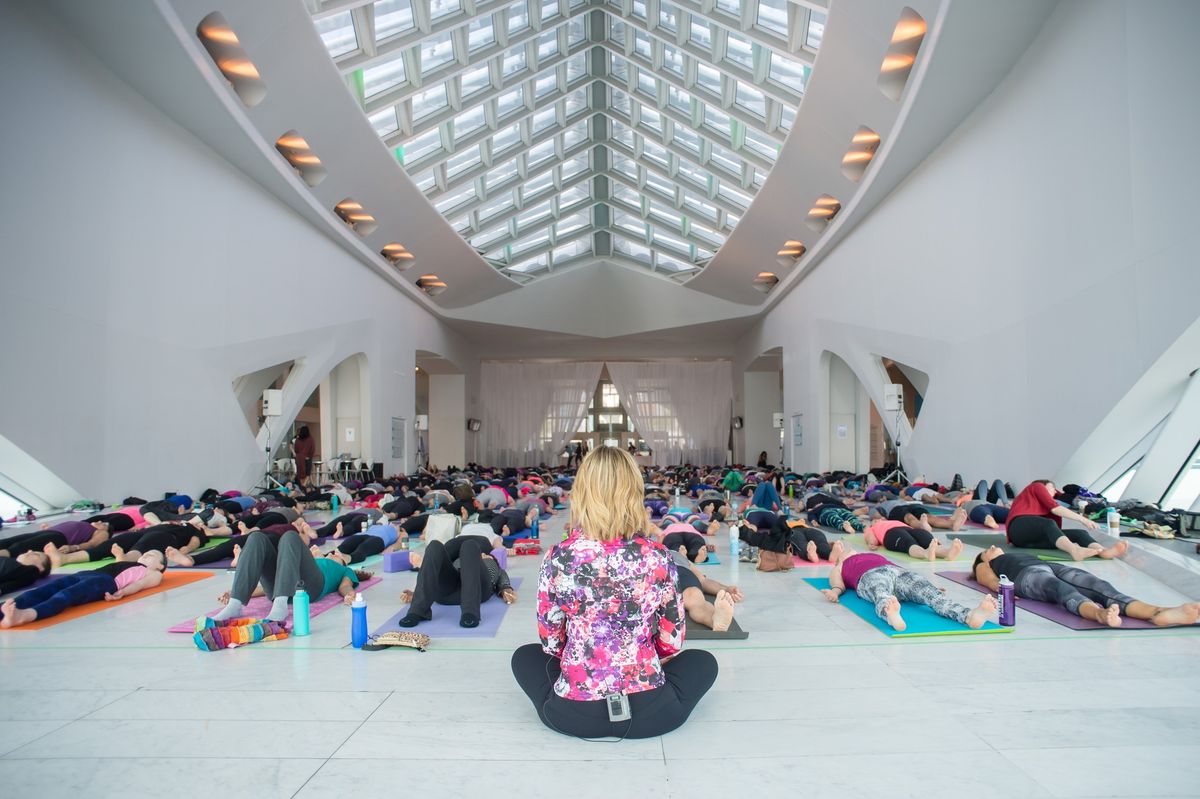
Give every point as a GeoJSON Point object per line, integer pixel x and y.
{"type": "Point", "coordinates": [272, 402]}
{"type": "Point", "coordinates": [738, 422]}
{"type": "Point", "coordinates": [893, 397]}
{"type": "Point", "coordinates": [473, 425]}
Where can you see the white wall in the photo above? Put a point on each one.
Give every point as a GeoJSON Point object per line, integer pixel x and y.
{"type": "Point", "coordinates": [761, 400]}
{"type": "Point", "coordinates": [143, 274]}
{"type": "Point", "coordinates": [447, 420]}
{"type": "Point", "coordinates": [1034, 266]}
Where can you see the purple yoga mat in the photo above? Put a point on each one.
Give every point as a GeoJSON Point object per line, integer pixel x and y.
{"type": "Point", "coordinates": [1054, 613]}
{"type": "Point", "coordinates": [260, 606]}
{"type": "Point", "coordinates": [445, 620]}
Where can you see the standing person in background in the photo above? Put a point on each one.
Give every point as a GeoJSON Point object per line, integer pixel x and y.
{"type": "Point", "coordinates": [304, 447]}
{"type": "Point", "coordinates": [610, 618]}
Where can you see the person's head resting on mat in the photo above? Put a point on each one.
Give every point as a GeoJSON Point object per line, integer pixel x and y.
{"type": "Point", "coordinates": [38, 560]}
{"type": "Point", "coordinates": [982, 559]}
{"type": "Point", "coordinates": [608, 496]}
{"type": "Point", "coordinates": [153, 561]}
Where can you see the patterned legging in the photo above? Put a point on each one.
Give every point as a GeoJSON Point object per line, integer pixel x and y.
{"type": "Point", "coordinates": [836, 517]}
{"type": "Point", "coordinates": [1068, 587]}
{"type": "Point", "coordinates": [883, 582]}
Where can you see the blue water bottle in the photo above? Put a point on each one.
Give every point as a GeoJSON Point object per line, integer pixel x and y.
{"type": "Point", "coordinates": [300, 614]}
{"type": "Point", "coordinates": [358, 621]}
{"type": "Point", "coordinates": [1008, 602]}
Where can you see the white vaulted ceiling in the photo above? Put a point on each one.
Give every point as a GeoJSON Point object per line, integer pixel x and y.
{"type": "Point", "coordinates": [553, 132]}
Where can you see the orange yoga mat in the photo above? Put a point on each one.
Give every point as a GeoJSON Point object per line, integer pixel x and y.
{"type": "Point", "coordinates": [171, 579]}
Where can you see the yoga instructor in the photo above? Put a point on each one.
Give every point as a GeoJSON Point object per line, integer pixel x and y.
{"type": "Point", "coordinates": [610, 619]}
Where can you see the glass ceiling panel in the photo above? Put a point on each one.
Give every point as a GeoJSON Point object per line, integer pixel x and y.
{"type": "Point", "coordinates": [545, 131]}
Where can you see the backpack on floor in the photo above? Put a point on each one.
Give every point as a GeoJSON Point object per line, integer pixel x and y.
{"type": "Point", "coordinates": [442, 527]}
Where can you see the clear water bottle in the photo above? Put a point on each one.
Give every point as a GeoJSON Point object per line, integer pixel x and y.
{"type": "Point", "coordinates": [300, 612]}
{"type": "Point", "coordinates": [1114, 522]}
{"type": "Point", "coordinates": [358, 621]}
{"type": "Point", "coordinates": [734, 544]}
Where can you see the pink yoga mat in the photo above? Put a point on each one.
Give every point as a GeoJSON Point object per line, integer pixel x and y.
{"type": "Point", "coordinates": [260, 606]}
{"type": "Point", "coordinates": [1054, 613]}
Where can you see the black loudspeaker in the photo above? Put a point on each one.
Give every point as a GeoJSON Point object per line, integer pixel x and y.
{"type": "Point", "coordinates": [737, 423]}
{"type": "Point", "coordinates": [473, 425]}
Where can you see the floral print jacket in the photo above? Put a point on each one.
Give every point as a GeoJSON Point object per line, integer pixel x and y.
{"type": "Point", "coordinates": [609, 610]}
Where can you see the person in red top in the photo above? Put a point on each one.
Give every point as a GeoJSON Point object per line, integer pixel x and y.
{"type": "Point", "coordinates": [1035, 521]}
{"type": "Point", "coordinates": [304, 448]}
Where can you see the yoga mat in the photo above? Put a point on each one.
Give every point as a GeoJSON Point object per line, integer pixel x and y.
{"type": "Point", "coordinates": [95, 564]}
{"type": "Point", "coordinates": [712, 560]}
{"type": "Point", "coordinates": [259, 606]}
{"type": "Point", "coordinates": [985, 540]}
{"type": "Point", "coordinates": [800, 562]}
{"type": "Point", "coordinates": [920, 619]}
{"type": "Point", "coordinates": [445, 619]}
{"type": "Point", "coordinates": [170, 580]}
{"type": "Point", "coordinates": [858, 542]}
{"type": "Point", "coordinates": [1054, 613]}
{"type": "Point", "coordinates": [699, 632]}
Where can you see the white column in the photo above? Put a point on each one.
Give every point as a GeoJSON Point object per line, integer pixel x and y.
{"type": "Point", "coordinates": [447, 420]}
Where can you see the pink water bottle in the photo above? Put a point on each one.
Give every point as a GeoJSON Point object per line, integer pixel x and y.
{"type": "Point", "coordinates": [1008, 602]}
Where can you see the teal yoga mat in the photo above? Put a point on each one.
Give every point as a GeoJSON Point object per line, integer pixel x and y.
{"type": "Point", "coordinates": [921, 620]}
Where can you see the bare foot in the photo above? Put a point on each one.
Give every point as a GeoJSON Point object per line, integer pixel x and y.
{"type": "Point", "coordinates": [1184, 614]}
{"type": "Point", "coordinates": [118, 552]}
{"type": "Point", "coordinates": [701, 556]}
{"type": "Point", "coordinates": [177, 558]}
{"type": "Point", "coordinates": [1115, 551]}
{"type": "Point", "coordinates": [847, 527]}
{"type": "Point", "coordinates": [338, 532]}
{"type": "Point", "coordinates": [682, 550]}
{"type": "Point", "coordinates": [990, 522]}
{"type": "Point", "coordinates": [982, 612]}
{"type": "Point", "coordinates": [722, 612]}
{"type": "Point", "coordinates": [957, 519]}
{"type": "Point", "coordinates": [237, 551]}
{"type": "Point", "coordinates": [1079, 553]}
{"type": "Point", "coordinates": [416, 558]}
{"type": "Point", "coordinates": [925, 525]}
{"type": "Point", "coordinates": [835, 551]}
{"type": "Point", "coordinates": [810, 551]}
{"type": "Point", "coordinates": [54, 555]}
{"type": "Point", "coordinates": [956, 548]}
{"type": "Point", "coordinates": [892, 611]}
{"type": "Point", "coordinates": [14, 616]}
{"type": "Point", "coordinates": [1111, 616]}
{"type": "Point", "coordinates": [243, 528]}
{"type": "Point", "coordinates": [316, 551]}
{"type": "Point", "coordinates": [931, 551]}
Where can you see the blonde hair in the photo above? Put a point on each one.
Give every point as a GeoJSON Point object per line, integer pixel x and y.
{"type": "Point", "coordinates": [607, 497]}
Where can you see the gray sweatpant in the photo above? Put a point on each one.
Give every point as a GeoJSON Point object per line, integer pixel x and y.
{"type": "Point", "coordinates": [280, 569]}
{"type": "Point", "coordinates": [1068, 586]}
{"type": "Point", "coordinates": [882, 582]}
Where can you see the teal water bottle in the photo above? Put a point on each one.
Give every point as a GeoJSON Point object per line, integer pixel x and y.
{"type": "Point", "coordinates": [333, 504]}
{"type": "Point", "coordinates": [300, 614]}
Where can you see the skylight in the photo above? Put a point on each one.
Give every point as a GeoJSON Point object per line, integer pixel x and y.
{"type": "Point", "coordinates": [549, 135]}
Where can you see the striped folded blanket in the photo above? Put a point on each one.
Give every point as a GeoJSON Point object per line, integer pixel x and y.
{"type": "Point", "coordinates": [212, 635]}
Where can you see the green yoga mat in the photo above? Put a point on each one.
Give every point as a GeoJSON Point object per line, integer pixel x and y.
{"type": "Point", "coordinates": [921, 620]}
{"type": "Point", "coordinates": [858, 542]}
{"type": "Point", "coordinates": [985, 540]}
{"type": "Point", "coordinates": [95, 564]}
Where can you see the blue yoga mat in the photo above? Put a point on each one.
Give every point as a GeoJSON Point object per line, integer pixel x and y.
{"type": "Point", "coordinates": [444, 623]}
{"type": "Point", "coordinates": [713, 560]}
{"type": "Point", "coordinates": [920, 619]}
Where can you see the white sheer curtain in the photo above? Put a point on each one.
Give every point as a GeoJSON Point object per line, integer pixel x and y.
{"type": "Point", "coordinates": [682, 410]}
{"type": "Point", "coordinates": [530, 410]}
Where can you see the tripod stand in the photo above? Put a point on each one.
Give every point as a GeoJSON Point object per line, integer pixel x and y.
{"type": "Point", "coordinates": [897, 475]}
{"type": "Point", "coordinates": [268, 480]}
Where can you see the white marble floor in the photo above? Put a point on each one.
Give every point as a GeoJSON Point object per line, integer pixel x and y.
{"type": "Point", "coordinates": [815, 703]}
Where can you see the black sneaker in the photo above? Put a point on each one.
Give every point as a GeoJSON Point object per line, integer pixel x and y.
{"type": "Point", "coordinates": [1008, 489]}
{"type": "Point", "coordinates": [956, 484]}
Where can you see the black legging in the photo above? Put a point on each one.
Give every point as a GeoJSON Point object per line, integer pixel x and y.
{"type": "Point", "coordinates": [1038, 532]}
{"type": "Point", "coordinates": [259, 521]}
{"type": "Point", "coordinates": [900, 539]}
{"type": "Point", "coordinates": [224, 549]}
{"type": "Point", "coordinates": [117, 522]}
{"type": "Point", "coordinates": [32, 542]}
{"type": "Point", "coordinates": [652, 713]}
{"type": "Point", "coordinates": [692, 542]}
{"type": "Point", "coordinates": [415, 525]}
{"type": "Point", "coordinates": [800, 538]}
{"type": "Point", "coordinates": [351, 523]}
{"type": "Point", "coordinates": [898, 513]}
{"type": "Point", "coordinates": [772, 540]}
{"type": "Point", "coordinates": [438, 581]}
{"type": "Point", "coordinates": [157, 538]}
{"type": "Point", "coordinates": [362, 546]}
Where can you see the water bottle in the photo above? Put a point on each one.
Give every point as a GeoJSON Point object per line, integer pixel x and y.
{"type": "Point", "coordinates": [333, 504]}
{"type": "Point", "coordinates": [358, 621]}
{"type": "Point", "coordinates": [734, 543]}
{"type": "Point", "coordinates": [1114, 522]}
{"type": "Point", "coordinates": [300, 615]}
{"type": "Point", "coordinates": [1008, 602]}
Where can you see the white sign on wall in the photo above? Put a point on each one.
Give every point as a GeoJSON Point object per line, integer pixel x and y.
{"type": "Point", "coordinates": [349, 434]}
{"type": "Point", "coordinates": [841, 431]}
